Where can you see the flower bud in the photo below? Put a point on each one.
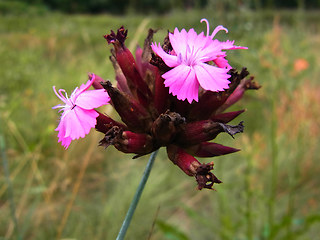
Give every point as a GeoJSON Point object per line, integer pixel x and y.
{"type": "Point", "coordinates": [161, 94]}
{"type": "Point", "coordinates": [197, 132]}
{"type": "Point", "coordinates": [166, 126]}
{"type": "Point", "coordinates": [205, 130]}
{"type": "Point", "coordinates": [192, 167]}
{"type": "Point", "coordinates": [226, 117]}
{"type": "Point", "coordinates": [208, 103]}
{"type": "Point", "coordinates": [237, 94]}
{"type": "Point", "coordinates": [183, 160]}
{"type": "Point", "coordinates": [97, 81]}
{"type": "Point", "coordinates": [130, 142]}
{"type": "Point", "coordinates": [131, 112]}
{"type": "Point", "coordinates": [128, 65]}
{"type": "Point", "coordinates": [105, 123]}
{"type": "Point", "coordinates": [210, 149]}
{"type": "Point", "coordinates": [121, 79]}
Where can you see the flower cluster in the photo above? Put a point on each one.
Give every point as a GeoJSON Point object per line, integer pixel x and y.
{"type": "Point", "coordinates": [172, 96]}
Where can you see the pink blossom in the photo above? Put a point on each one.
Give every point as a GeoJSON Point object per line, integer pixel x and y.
{"type": "Point", "coordinates": [78, 115]}
{"type": "Point", "coordinates": [189, 62]}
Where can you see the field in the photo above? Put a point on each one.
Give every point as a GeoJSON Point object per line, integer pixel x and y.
{"type": "Point", "coordinates": [270, 188]}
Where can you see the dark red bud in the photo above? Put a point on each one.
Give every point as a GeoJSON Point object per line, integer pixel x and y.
{"type": "Point", "coordinates": [105, 123]}
{"type": "Point", "coordinates": [183, 160]}
{"type": "Point", "coordinates": [237, 94]}
{"type": "Point", "coordinates": [128, 66]}
{"type": "Point", "coordinates": [211, 103]}
{"type": "Point", "coordinates": [121, 79]}
{"type": "Point", "coordinates": [210, 149]}
{"type": "Point", "coordinates": [208, 103]}
{"type": "Point", "coordinates": [161, 94]}
{"type": "Point", "coordinates": [205, 130]}
{"type": "Point", "coordinates": [137, 85]}
{"type": "Point", "coordinates": [131, 112]}
{"type": "Point", "coordinates": [192, 167]}
{"type": "Point", "coordinates": [130, 142]}
{"type": "Point", "coordinates": [97, 81]}
{"type": "Point", "coordinates": [197, 132]}
{"type": "Point", "coordinates": [226, 117]}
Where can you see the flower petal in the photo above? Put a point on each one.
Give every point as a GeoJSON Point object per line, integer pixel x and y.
{"type": "Point", "coordinates": [229, 45]}
{"type": "Point", "coordinates": [178, 41]}
{"type": "Point", "coordinates": [170, 60]}
{"type": "Point", "coordinates": [92, 99]}
{"type": "Point", "coordinates": [182, 82]}
{"type": "Point", "coordinates": [190, 88]}
{"type": "Point", "coordinates": [78, 122]}
{"type": "Point", "coordinates": [221, 62]}
{"type": "Point", "coordinates": [212, 78]}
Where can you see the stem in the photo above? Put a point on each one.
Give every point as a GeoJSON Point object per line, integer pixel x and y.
{"type": "Point", "coordinates": [250, 224]}
{"type": "Point", "coordinates": [136, 198]}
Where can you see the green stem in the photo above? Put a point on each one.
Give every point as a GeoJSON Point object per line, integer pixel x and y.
{"type": "Point", "coordinates": [136, 198]}
{"type": "Point", "coordinates": [10, 188]}
{"type": "Point", "coordinates": [250, 223]}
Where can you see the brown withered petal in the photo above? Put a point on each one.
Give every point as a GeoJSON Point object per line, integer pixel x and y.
{"type": "Point", "coordinates": [166, 126]}
{"type": "Point", "coordinates": [232, 129]}
{"type": "Point", "coordinates": [205, 178]}
{"type": "Point", "coordinates": [110, 136]}
{"type": "Point", "coordinates": [120, 36]}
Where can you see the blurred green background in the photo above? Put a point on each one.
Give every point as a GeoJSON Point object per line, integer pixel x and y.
{"type": "Point", "coordinates": [270, 189]}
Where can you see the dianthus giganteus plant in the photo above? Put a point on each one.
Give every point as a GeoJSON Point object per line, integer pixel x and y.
{"type": "Point", "coordinates": [173, 95]}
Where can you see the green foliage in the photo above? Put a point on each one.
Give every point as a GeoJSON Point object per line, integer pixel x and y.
{"type": "Point", "coordinates": [270, 188]}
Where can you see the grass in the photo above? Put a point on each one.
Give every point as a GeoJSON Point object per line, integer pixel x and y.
{"type": "Point", "coordinates": [270, 188]}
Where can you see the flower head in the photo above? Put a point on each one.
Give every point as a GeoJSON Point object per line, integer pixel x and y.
{"type": "Point", "coordinates": [78, 115]}
{"type": "Point", "coordinates": [189, 60]}
{"type": "Point", "coordinates": [151, 117]}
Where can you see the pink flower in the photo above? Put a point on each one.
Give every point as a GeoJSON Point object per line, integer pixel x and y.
{"type": "Point", "coordinates": [189, 62]}
{"type": "Point", "coordinates": [78, 115]}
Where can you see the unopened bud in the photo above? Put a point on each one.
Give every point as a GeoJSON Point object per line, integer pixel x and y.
{"type": "Point", "coordinates": [210, 149]}
{"type": "Point", "coordinates": [130, 111]}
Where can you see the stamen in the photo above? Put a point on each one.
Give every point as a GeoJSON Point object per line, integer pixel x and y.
{"type": "Point", "coordinates": [206, 21]}
{"type": "Point", "coordinates": [74, 91]}
{"type": "Point", "coordinates": [61, 91]}
{"type": "Point", "coordinates": [217, 29]}
{"type": "Point", "coordinates": [59, 95]}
